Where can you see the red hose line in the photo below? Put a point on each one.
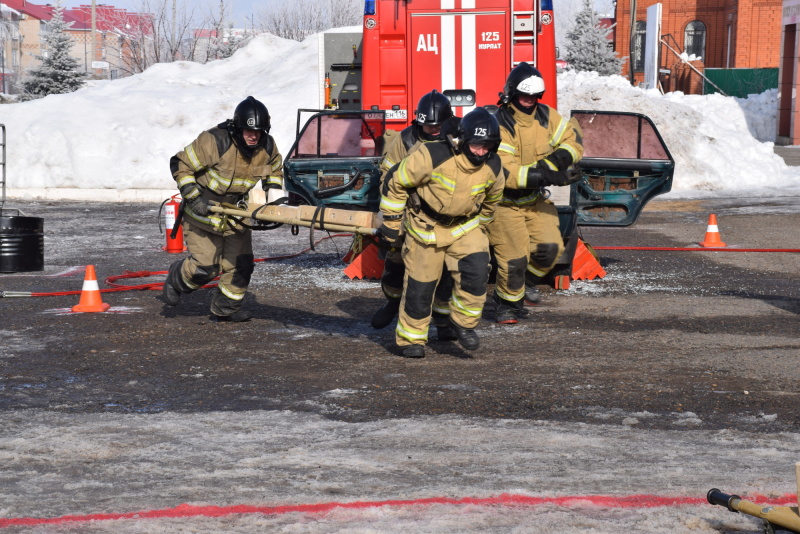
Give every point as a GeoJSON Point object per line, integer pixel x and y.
{"type": "Point", "coordinates": [703, 249]}
{"type": "Point", "coordinates": [185, 511]}
{"type": "Point", "coordinates": [154, 286]}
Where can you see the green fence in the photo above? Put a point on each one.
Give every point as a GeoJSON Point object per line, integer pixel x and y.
{"type": "Point", "coordinates": [740, 82]}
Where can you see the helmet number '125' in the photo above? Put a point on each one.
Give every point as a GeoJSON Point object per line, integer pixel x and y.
{"type": "Point", "coordinates": [480, 132]}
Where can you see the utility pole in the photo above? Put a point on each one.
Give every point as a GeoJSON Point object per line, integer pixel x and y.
{"type": "Point", "coordinates": [2, 52]}
{"type": "Point", "coordinates": [94, 29]}
{"type": "Point", "coordinates": [3, 60]}
{"type": "Point", "coordinates": [85, 50]}
{"type": "Point", "coordinates": [632, 45]}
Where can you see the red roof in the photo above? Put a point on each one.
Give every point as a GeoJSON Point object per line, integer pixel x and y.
{"type": "Point", "coordinates": [34, 10]}
{"type": "Point", "coordinates": [107, 18]}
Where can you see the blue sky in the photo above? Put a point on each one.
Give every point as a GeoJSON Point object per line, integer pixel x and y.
{"type": "Point", "coordinates": [243, 10]}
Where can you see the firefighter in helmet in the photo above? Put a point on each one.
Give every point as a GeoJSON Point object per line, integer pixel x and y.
{"type": "Point", "coordinates": [221, 166]}
{"type": "Point", "coordinates": [433, 120]}
{"type": "Point", "coordinates": [538, 149]}
{"type": "Point", "coordinates": [458, 187]}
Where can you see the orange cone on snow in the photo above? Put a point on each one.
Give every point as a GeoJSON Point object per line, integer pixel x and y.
{"type": "Point", "coordinates": [712, 234]}
{"type": "Point", "coordinates": [91, 301]}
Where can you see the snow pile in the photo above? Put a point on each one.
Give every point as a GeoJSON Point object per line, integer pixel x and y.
{"type": "Point", "coordinates": [709, 136]}
{"type": "Point", "coordinates": [119, 135]}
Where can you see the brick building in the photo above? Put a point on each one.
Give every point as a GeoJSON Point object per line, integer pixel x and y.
{"type": "Point", "coordinates": [789, 78]}
{"type": "Point", "coordinates": [114, 29]}
{"type": "Point", "coordinates": [718, 33]}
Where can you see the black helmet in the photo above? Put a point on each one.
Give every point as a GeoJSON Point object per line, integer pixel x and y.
{"type": "Point", "coordinates": [251, 114]}
{"type": "Point", "coordinates": [523, 79]}
{"type": "Point", "coordinates": [433, 109]}
{"type": "Point", "coordinates": [478, 126]}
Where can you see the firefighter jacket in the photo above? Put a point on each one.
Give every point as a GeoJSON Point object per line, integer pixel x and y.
{"type": "Point", "coordinates": [399, 147]}
{"type": "Point", "coordinates": [456, 196]}
{"type": "Point", "coordinates": [406, 142]}
{"type": "Point", "coordinates": [225, 173]}
{"type": "Point", "coordinates": [542, 138]}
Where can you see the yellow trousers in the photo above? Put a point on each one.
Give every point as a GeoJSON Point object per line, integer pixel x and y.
{"type": "Point", "coordinates": [514, 234]}
{"type": "Point", "coordinates": [467, 261]}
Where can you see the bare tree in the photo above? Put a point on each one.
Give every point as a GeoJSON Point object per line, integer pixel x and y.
{"type": "Point", "coordinates": [346, 13]}
{"type": "Point", "coordinates": [301, 18]}
{"type": "Point", "coordinates": [162, 31]}
{"type": "Point", "coordinates": [224, 39]}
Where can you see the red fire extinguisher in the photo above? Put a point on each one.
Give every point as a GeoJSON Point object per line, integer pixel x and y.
{"type": "Point", "coordinates": [174, 232]}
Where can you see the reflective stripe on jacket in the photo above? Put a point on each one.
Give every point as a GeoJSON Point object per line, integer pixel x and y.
{"type": "Point", "coordinates": [526, 140]}
{"type": "Point", "coordinates": [213, 162]}
{"type": "Point", "coordinates": [450, 185]}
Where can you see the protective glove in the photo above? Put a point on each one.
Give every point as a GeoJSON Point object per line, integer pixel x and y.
{"type": "Point", "coordinates": [388, 237]}
{"type": "Point", "coordinates": [536, 178]}
{"type": "Point", "coordinates": [544, 176]}
{"type": "Point", "coordinates": [197, 203]}
{"type": "Point", "coordinates": [568, 176]}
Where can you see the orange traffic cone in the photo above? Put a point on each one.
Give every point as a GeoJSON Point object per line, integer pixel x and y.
{"type": "Point", "coordinates": [366, 263]}
{"type": "Point", "coordinates": [91, 301]}
{"type": "Point", "coordinates": [584, 264]}
{"type": "Point", "coordinates": [712, 234]}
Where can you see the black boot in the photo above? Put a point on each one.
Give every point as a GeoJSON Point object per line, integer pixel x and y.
{"type": "Point", "coordinates": [444, 329]}
{"type": "Point", "coordinates": [467, 337]}
{"type": "Point", "coordinates": [227, 309]}
{"type": "Point", "coordinates": [505, 312]}
{"type": "Point", "coordinates": [386, 314]}
{"type": "Point", "coordinates": [171, 291]}
{"type": "Point", "coordinates": [239, 316]}
{"type": "Point", "coordinates": [414, 351]}
{"type": "Point", "coordinates": [532, 296]}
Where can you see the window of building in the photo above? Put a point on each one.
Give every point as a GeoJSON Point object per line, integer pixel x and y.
{"type": "Point", "coordinates": [638, 46]}
{"type": "Point", "coordinates": [694, 39]}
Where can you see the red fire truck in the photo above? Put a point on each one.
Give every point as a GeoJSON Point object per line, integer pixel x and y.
{"type": "Point", "coordinates": [462, 48]}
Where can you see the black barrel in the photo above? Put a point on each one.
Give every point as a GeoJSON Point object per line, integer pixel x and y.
{"type": "Point", "coordinates": [21, 244]}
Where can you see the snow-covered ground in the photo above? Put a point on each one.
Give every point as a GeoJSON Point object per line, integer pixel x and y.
{"type": "Point", "coordinates": [290, 472]}
{"type": "Point", "coordinates": [116, 136]}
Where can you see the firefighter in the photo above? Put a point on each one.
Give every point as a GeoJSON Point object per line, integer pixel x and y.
{"type": "Point", "coordinates": [433, 119]}
{"type": "Point", "coordinates": [458, 186]}
{"type": "Point", "coordinates": [538, 149]}
{"type": "Point", "coordinates": [221, 166]}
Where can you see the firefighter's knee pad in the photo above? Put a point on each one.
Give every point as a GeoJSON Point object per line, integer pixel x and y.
{"type": "Point", "coordinates": [243, 270]}
{"type": "Point", "coordinates": [203, 274]}
{"type": "Point", "coordinates": [516, 273]}
{"type": "Point", "coordinates": [419, 298]}
{"type": "Point", "coordinates": [474, 271]}
{"type": "Point", "coordinates": [545, 254]}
